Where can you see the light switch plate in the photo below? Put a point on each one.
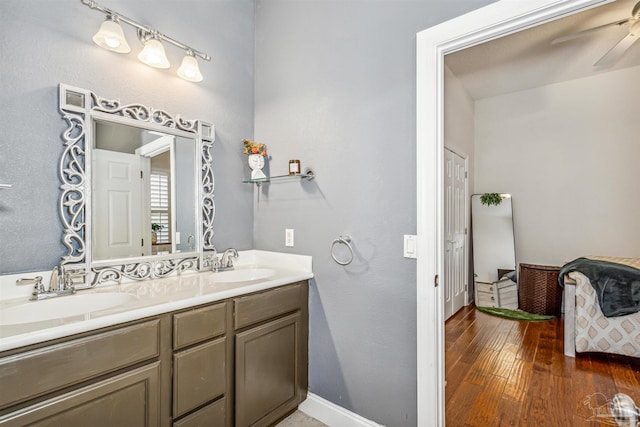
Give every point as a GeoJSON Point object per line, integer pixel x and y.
{"type": "Point", "coordinates": [410, 246]}
{"type": "Point", "coordinates": [288, 237]}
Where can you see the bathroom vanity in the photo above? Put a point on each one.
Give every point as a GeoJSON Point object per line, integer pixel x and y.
{"type": "Point", "coordinates": [123, 336]}
{"type": "Point", "coordinates": [232, 361]}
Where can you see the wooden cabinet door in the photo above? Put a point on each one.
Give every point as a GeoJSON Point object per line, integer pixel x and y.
{"type": "Point", "coordinates": [128, 399]}
{"type": "Point", "coordinates": [199, 375]}
{"type": "Point", "coordinates": [269, 364]}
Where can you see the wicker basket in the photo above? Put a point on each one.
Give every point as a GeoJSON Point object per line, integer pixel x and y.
{"type": "Point", "coordinates": [538, 288]}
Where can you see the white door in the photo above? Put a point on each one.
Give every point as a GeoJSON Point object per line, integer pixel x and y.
{"type": "Point", "coordinates": [455, 196]}
{"type": "Point", "coordinates": [117, 208]}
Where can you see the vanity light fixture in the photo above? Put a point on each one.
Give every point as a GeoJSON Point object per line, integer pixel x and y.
{"type": "Point", "coordinates": [189, 69]}
{"type": "Point", "coordinates": [111, 36]}
{"type": "Point", "coordinates": [154, 55]}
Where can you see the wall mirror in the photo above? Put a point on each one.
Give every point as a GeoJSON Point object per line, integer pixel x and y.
{"type": "Point", "coordinates": [493, 240]}
{"type": "Point", "coordinates": [137, 190]}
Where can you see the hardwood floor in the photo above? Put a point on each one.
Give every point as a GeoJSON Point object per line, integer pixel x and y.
{"type": "Point", "coordinates": [502, 372]}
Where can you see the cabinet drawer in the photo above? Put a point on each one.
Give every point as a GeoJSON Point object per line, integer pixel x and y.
{"type": "Point", "coordinates": [37, 372]}
{"type": "Point", "coordinates": [199, 325]}
{"type": "Point", "coordinates": [199, 376]}
{"type": "Point", "coordinates": [486, 299]}
{"type": "Point", "coordinates": [210, 415]}
{"type": "Point", "coordinates": [128, 399]}
{"type": "Point", "coordinates": [484, 287]}
{"type": "Point", "coordinates": [256, 308]}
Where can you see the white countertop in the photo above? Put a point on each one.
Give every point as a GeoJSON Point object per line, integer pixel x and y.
{"type": "Point", "coordinates": [153, 297]}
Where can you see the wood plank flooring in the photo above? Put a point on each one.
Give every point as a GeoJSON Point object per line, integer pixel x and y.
{"type": "Point", "coordinates": [503, 372]}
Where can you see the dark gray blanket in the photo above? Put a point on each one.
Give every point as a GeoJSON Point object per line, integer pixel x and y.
{"type": "Point", "coordinates": [617, 286]}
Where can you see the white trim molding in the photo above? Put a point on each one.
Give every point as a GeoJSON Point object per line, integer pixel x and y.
{"type": "Point", "coordinates": [493, 21]}
{"type": "Point", "coordinates": [332, 414]}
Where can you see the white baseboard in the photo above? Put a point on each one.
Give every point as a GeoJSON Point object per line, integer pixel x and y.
{"type": "Point", "coordinates": [332, 414]}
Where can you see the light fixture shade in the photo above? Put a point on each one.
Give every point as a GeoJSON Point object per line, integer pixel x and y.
{"type": "Point", "coordinates": [153, 54]}
{"type": "Point", "coordinates": [189, 69]}
{"type": "Point", "coordinates": [110, 36]}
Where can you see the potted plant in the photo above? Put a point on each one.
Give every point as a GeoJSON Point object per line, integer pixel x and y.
{"type": "Point", "coordinates": [489, 199]}
{"type": "Point", "coordinates": [155, 227]}
{"type": "Point", "coordinates": [256, 152]}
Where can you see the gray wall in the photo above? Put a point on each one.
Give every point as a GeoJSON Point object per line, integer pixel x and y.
{"type": "Point", "coordinates": [44, 43]}
{"type": "Point", "coordinates": [335, 88]}
{"type": "Point", "coordinates": [185, 193]}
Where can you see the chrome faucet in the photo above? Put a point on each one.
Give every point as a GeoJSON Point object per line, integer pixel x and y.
{"type": "Point", "coordinates": [58, 285]}
{"type": "Point", "coordinates": [226, 263]}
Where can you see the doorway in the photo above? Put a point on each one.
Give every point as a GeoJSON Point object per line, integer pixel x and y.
{"type": "Point", "coordinates": [494, 21]}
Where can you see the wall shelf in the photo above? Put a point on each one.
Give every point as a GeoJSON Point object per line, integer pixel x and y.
{"type": "Point", "coordinates": [308, 175]}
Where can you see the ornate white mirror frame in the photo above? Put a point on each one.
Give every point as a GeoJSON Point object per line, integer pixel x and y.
{"type": "Point", "coordinates": [79, 108]}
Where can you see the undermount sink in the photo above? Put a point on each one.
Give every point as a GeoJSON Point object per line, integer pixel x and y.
{"type": "Point", "coordinates": [243, 275]}
{"type": "Point", "coordinates": [63, 306]}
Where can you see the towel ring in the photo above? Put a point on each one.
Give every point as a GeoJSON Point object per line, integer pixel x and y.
{"type": "Point", "coordinates": [345, 239]}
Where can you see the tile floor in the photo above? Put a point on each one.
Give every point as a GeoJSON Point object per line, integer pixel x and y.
{"type": "Point", "coordinates": [300, 419]}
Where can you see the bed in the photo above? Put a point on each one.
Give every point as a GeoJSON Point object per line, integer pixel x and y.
{"type": "Point", "coordinates": [587, 328]}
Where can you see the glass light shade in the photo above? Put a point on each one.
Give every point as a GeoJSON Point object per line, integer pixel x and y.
{"type": "Point", "coordinates": [153, 54]}
{"type": "Point", "coordinates": [111, 37]}
{"type": "Point", "coordinates": [189, 69]}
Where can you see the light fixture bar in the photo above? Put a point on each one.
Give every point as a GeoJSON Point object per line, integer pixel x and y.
{"type": "Point", "coordinates": [146, 30]}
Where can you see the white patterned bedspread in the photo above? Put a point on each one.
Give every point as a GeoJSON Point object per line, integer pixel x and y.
{"type": "Point", "coordinates": [594, 331]}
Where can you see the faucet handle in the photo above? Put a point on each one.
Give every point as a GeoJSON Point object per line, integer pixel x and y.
{"type": "Point", "coordinates": [211, 260]}
{"type": "Point", "coordinates": [36, 281]}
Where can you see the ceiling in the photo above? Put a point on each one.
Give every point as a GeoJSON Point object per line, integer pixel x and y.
{"type": "Point", "coordinates": [527, 59]}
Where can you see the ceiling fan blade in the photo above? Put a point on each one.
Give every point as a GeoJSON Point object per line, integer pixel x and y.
{"type": "Point", "coordinates": [617, 51]}
{"type": "Point", "coordinates": [589, 31]}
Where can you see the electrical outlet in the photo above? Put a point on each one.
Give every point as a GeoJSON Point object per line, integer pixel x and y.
{"type": "Point", "coordinates": [288, 237]}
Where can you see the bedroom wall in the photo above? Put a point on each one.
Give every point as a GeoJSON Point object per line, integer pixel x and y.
{"type": "Point", "coordinates": [568, 153]}
{"type": "Point", "coordinates": [459, 134]}
{"type": "Point", "coordinates": [459, 114]}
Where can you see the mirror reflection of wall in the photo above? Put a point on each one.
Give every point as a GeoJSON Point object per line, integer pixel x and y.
{"type": "Point", "coordinates": [493, 239]}
{"type": "Point", "coordinates": [160, 203]}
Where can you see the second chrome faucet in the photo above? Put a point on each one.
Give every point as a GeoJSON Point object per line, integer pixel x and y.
{"type": "Point", "coordinates": [225, 262]}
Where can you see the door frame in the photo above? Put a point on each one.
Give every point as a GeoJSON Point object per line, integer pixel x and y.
{"type": "Point", "coordinates": [493, 21]}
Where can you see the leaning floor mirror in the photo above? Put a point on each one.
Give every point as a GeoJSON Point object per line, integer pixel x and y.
{"type": "Point", "coordinates": [137, 190]}
{"type": "Point", "coordinates": [493, 248]}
